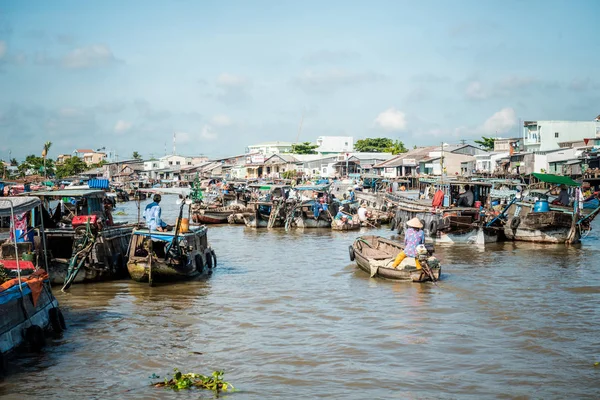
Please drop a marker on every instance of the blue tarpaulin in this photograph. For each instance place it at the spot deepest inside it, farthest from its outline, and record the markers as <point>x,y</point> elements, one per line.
<point>14,293</point>
<point>98,184</point>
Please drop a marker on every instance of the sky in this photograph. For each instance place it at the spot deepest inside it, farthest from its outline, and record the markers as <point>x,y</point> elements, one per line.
<point>221,75</point>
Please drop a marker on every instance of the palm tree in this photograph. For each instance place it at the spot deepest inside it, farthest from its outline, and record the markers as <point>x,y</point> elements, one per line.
<point>47,146</point>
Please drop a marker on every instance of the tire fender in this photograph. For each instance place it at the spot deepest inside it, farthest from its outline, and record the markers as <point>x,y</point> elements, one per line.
<point>433,227</point>
<point>209,259</point>
<point>57,320</point>
<point>34,336</point>
<point>515,222</point>
<point>351,252</point>
<point>214,257</point>
<point>199,263</point>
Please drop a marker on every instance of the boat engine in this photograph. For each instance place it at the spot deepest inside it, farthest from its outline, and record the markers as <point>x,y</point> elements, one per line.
<point>425,251</point>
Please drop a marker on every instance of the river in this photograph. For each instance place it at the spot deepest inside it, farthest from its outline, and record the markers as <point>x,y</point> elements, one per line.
<point>287,315</point>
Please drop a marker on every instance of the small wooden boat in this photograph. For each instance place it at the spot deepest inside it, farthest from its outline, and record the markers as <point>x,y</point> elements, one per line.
<point>168,256</point>
<point>352,223</point>
<point>375,255</point>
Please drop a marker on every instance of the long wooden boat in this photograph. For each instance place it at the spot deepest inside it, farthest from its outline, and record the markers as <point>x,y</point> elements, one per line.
<point>84,243</point>
<point>156,257</point>
<point>375,255</point>
<point>217,215</point>
<point>28,309</point>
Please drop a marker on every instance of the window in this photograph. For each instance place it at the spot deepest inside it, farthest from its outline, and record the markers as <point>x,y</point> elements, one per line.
<point>189,163</point>
<point>177,162</point>
<point>170,162</point>
<point>555,134</point>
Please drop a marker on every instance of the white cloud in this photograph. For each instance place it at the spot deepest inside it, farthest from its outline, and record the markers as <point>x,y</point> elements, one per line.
<point>96,55</point>
<point>3,48</point>
<point>221,120</point>
<point>391,120</point>
<point>476,91</point>
<point>501,122</point>
<point>182,137</point>
<point>231,81</point>
<point>207,133</point>
<point>122,126</point>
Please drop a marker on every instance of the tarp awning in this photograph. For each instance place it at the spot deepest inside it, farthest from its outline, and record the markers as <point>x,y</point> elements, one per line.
<point>19,204</point>
<point>555,179</point>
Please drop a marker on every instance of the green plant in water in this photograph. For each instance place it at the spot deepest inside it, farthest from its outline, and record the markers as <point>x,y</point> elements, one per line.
<point>213,382</point>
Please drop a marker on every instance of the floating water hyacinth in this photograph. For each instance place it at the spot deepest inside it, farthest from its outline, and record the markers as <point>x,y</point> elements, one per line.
<point>179,381</point>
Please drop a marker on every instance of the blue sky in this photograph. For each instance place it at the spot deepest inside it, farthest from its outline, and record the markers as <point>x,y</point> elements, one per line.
<point>226,74</point>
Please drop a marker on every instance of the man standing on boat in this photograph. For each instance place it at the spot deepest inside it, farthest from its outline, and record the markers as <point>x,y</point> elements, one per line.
<point>152,215</point>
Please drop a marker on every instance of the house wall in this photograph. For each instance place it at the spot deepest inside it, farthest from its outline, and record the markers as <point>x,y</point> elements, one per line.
<point>271,148</point>
<point>545,135</point>
<point>335,144</point>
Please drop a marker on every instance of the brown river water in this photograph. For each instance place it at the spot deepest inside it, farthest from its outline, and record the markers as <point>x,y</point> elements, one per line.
<point>288,316</point>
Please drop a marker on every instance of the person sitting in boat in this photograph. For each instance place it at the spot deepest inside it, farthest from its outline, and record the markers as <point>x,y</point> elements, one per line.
<point>563,196</point>
<point>466,198</point>
<point>152,216</point>
<point>362,213</point>
<point>413,237</point>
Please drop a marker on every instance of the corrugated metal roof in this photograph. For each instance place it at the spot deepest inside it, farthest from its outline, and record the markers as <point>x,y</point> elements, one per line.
<point>70,193</point>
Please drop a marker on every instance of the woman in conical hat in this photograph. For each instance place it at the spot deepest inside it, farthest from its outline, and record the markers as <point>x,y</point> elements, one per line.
<point>413,236</point>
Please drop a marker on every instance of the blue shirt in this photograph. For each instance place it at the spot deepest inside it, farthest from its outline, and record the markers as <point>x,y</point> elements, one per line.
<point>412,238</point>
<point>152,216</point>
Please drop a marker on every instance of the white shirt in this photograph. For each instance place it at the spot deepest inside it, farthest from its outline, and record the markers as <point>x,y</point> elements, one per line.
<point>362,214</point>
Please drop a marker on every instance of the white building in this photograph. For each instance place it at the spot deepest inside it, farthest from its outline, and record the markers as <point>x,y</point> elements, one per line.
<point>269,148</point>
<point>335,144</point>
<point>546,135</point>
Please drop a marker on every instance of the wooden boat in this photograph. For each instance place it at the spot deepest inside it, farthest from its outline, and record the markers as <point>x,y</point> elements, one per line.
<point>375,255</point>
<point>539,221</point>
<point>166,256</point>
<point>447,223</point>
<point>311,207</point>
<point>28,309</point>
<point>216,215</point>
<point>269,208</point>
<point>83,242</point>
<point>350,224</point>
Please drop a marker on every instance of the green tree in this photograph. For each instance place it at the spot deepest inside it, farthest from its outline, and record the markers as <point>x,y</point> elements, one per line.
<point>71,166</point>
<point>136,155</point>
<point>396,148</point>
<point>45,151</point>
<point>376,145</point>
<point>14,162</point>
<point>35,165</point>
<point>487,143</point>
<point>304,148</point>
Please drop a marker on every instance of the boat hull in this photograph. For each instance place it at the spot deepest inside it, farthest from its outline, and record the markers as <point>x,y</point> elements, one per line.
<point>149,262</point>
<point>13,320</point>
<point>106,259</point>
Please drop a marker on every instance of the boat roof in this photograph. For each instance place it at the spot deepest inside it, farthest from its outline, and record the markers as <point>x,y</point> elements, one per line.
<point>266,186</point>
<point>167,236</point>
<point>454,182</point>
<point>70,193</point>
<point>316,188</point>
<point>19,205</point>
<point>555,179</point>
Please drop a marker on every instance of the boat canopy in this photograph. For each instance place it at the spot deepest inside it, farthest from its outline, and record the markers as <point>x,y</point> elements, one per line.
<point>18,204</point>
<point>316,188</point>
<point>70,193</point>
<point>166,236</point>
<point>555,179</point>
